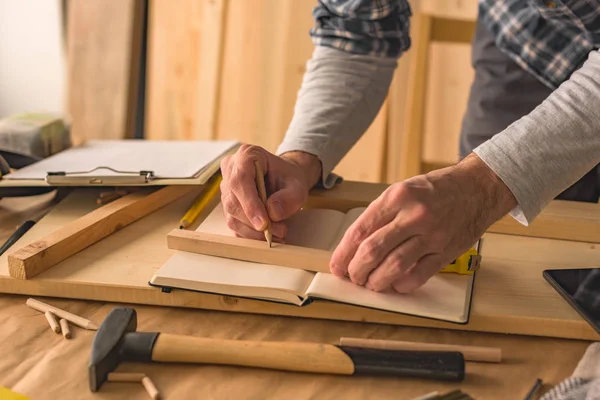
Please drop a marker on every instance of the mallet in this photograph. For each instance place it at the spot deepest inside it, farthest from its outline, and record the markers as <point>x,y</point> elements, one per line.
<point>117,341</point>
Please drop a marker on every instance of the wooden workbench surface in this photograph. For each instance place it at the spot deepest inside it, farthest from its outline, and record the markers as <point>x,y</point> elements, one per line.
<point>42,365</point>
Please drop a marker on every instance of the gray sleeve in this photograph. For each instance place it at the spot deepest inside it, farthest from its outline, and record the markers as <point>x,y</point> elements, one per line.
<point>340,96</point>
<point>545,152</point>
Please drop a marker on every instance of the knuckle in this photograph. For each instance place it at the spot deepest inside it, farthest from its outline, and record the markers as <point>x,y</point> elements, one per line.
<point>398,263</point>
<point>250,150</point>
<point>230,205</point>
<point>357,233</point>
<point>238,175</point>
<point>398,192</point>
<point>231,222</point>
<point>421,212</point>
<point>225,162</point>
<point>369,250</point>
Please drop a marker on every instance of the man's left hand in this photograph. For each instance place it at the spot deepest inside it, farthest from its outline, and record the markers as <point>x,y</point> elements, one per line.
<point>418,226</point>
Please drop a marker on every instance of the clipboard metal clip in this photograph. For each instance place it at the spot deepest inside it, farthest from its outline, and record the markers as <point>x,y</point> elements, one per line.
<point>84,177</point>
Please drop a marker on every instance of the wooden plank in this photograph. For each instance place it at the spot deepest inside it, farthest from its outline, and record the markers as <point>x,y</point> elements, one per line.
<point>37,257</point>
<point>267,44</point>
<point>104,42</point>
<point>566,220</point>
<point>284,255</point>
<point>185,45</point>
<point>452,31</point>
<point>372,147</point>
<point>452,9</point>
<point>410,148</point>
<point>449,78</point>
<point>397,112</point>
<point>510,294</point>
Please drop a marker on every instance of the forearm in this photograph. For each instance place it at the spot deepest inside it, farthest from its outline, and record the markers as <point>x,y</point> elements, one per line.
<point>545,152</point>
<point>347,79</point>
<point>340,97</point>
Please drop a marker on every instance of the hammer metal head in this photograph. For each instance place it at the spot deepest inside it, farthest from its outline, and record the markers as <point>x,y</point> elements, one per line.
<point>106,347</point>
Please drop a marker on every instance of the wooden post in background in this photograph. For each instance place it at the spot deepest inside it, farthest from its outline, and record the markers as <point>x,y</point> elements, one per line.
<point>104,43</point>
<point>185,45</point>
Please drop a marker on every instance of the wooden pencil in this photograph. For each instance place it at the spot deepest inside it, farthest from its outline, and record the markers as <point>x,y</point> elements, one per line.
<point>72,318</point>
<point>201,202</point>
<point>262,192</point>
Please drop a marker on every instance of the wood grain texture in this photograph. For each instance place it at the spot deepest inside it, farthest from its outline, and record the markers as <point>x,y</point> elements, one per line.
<point>37,257</point>
<point>185,48</point>
<point>454,9</point>
<point>305,357</point>
<point>266,48</point>
<point>284,255</point>
<point>449,80</point>
<point>397,111</point>
<point>411,144</point>
<point>104,42</point>
<point>510,293</point>
<point>365,162</point>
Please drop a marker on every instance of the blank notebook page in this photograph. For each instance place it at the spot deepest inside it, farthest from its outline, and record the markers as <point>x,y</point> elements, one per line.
<point>166,159</point>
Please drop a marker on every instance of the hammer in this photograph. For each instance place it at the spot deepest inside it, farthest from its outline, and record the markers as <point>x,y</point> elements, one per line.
<point>117,341</point>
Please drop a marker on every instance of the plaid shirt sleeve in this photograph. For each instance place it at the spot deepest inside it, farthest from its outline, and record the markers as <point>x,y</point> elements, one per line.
<point>368,27</point>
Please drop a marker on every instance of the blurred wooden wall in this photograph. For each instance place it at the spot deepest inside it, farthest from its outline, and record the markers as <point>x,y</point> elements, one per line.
<point>231,69</point>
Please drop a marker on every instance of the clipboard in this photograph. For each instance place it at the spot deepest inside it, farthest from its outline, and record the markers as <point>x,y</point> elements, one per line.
<point>127,162</point>
<point>83,178</point>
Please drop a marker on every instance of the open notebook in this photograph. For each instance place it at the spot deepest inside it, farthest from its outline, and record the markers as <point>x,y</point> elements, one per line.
<point>446,296</point>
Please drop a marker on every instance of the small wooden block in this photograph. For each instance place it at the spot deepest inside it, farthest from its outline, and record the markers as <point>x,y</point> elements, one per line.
<point>37,257</point>
<point>74,319</point>
<point>125,377</point>
<point>150,388</point>
<point>52,321</point>
<point>284,255</point>
<point>64,326</point>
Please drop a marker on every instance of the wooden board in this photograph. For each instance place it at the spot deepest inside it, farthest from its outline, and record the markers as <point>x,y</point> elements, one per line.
<point>266,47</point>
<point>104,42</point>
<point>284,255</point>
<point>449,80</point>
<point>371,146</point>
<point>31,260</point>
<point>510,294</point>
<point>185,42</point>
<point>455,9</point>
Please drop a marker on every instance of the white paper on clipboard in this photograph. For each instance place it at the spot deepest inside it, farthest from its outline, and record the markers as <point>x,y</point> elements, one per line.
<point>132,160</point>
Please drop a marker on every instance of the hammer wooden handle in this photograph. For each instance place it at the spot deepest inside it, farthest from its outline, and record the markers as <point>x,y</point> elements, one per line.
<point>309,357</point>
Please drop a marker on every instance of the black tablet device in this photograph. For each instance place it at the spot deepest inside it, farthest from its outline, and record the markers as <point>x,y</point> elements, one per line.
<point>581,289</point>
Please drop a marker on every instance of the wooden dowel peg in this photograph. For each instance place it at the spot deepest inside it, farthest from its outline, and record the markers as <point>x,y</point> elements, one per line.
<point>72,318</point>
<point>64,327</point>
<point>125,377</point>
<point>150,388</point>
<point>52,321</point>
<point>470,353</point>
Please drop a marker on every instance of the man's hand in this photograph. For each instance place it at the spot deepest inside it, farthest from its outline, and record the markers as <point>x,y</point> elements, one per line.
<point>418,226</point>
<point>288,181</point>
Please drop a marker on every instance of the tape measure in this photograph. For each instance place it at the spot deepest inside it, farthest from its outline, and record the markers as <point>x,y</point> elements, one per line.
<point>466,264</point>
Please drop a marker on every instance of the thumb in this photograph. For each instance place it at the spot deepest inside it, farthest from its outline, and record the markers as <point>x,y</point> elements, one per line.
<point>285,202</point>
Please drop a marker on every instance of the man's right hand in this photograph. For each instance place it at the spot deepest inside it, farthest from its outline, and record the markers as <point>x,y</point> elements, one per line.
<point>288,181</point>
